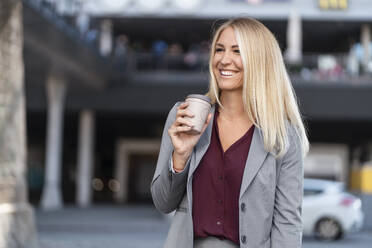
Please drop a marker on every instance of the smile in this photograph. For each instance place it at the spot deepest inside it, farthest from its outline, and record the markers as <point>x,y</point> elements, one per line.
<point>227,73</point>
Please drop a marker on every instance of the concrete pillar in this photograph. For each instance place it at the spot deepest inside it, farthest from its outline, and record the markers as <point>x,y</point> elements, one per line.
<point>85,158</point>
<point>83,19</point>
<point>122,173</point>
<point>366,41</point>
<point>51,196</point>
<point>352,63</point>
<point>83,22</point>
<point>17,222</point>
<point>294,38</point>
<point>105,40</point>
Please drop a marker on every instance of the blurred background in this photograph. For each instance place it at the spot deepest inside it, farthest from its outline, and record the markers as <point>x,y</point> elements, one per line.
<point>101,75</point>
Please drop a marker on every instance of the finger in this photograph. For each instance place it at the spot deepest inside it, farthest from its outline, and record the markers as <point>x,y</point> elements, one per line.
<point>183,129</point>
<point>183,105</point>
<point>185,112</point>
<point>183,121</point>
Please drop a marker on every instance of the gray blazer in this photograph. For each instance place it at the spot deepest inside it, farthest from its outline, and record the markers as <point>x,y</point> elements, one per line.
<point>270,194</point>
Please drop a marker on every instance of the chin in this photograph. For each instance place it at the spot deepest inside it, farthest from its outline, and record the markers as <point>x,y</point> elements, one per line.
<point>230,89</point>
<point>228,86</point>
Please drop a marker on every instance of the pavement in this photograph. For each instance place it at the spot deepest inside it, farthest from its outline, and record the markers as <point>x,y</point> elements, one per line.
<point>132,226</point>
<point>103,227</point>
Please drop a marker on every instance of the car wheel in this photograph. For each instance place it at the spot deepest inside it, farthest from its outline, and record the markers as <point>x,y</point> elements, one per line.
<point>328,229</point>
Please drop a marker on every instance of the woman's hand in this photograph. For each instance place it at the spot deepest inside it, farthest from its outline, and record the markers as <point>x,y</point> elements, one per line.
<point>183,142</point>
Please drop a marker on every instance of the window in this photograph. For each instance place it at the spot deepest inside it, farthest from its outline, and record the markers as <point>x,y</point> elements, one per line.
<point>310,192</point>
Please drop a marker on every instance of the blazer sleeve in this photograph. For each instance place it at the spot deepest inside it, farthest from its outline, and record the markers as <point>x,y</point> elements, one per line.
<point>168,187</point>
<point>286,229</point>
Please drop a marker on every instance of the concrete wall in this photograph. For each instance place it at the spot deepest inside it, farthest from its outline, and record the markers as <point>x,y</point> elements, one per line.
<point>328,161</point>
<point>308,9</point>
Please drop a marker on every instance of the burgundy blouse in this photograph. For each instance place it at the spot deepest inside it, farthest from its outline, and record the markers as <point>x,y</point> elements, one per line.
<point>216,187</point>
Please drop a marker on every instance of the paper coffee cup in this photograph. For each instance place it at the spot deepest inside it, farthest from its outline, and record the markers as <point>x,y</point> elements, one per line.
<point>200,106</point>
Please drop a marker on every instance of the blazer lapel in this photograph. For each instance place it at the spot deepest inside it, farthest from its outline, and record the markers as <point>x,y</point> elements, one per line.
<point>255,159</point>
<point>202,145</point>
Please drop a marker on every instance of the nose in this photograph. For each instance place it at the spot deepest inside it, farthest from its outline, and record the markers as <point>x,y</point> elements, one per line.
<point>226,58</point>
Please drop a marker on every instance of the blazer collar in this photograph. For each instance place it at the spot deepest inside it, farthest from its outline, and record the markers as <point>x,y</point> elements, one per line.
<point>255,159</point>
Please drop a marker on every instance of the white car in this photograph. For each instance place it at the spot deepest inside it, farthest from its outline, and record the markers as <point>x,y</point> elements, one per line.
<point>328,211</point>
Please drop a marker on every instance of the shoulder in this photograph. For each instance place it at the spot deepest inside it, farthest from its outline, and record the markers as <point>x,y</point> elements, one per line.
<point>292,131</point>
<point>292,155</point>
<point>293,144</point>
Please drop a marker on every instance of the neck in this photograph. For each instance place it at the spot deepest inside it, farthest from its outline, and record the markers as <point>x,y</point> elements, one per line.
<point>233,105</point>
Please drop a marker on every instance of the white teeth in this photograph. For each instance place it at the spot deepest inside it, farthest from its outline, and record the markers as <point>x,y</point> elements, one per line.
<point>226,73</point>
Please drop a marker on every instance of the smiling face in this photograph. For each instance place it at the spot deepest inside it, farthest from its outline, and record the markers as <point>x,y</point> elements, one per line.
<point>227,63</point>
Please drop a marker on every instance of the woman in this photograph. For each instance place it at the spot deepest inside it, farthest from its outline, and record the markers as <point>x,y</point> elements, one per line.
<point>239,182</point>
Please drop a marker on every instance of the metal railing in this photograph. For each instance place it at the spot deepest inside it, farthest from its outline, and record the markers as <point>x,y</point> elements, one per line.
<point>170,62</point>
<point>313,67</point>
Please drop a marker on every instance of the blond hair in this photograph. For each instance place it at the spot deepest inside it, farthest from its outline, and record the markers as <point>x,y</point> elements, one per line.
<point>268,96</point>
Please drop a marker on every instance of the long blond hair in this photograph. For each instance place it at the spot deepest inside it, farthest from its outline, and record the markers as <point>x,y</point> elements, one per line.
<point>268,96</point>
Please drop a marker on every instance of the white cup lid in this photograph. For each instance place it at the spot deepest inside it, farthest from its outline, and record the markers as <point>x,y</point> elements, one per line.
<point>199,96</point>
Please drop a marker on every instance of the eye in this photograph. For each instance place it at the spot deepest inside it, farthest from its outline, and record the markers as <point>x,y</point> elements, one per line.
<point>237,51</point>
<point>219,50</point>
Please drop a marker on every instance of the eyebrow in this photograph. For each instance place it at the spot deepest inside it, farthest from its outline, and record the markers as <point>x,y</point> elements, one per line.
<point>233,46</point>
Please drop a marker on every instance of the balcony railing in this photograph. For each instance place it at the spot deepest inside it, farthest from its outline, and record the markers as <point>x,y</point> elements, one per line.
<point>314,67</point>
<point>174,62</point>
